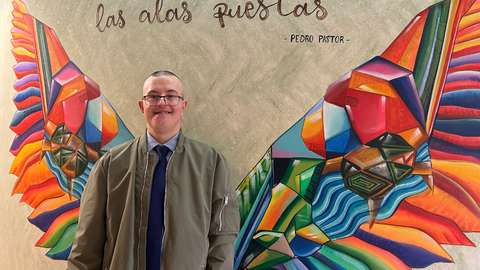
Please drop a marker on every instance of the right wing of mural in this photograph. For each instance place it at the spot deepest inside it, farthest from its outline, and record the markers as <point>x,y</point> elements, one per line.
<point>385,168</point>
<point>63,125</point>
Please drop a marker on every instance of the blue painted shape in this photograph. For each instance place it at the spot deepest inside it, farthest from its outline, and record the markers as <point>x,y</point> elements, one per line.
<point>469,98</point>
<point>290,144</point>
<point>54,92</point>
<point>411,255</point>
<point>339,142</point>
<point>19,116</point>
<point>407,89</point>
<point>44,220</point>
<point>463,127</point>
<point>335,120</point>
<point>303,247</point>
<point>27,93</point>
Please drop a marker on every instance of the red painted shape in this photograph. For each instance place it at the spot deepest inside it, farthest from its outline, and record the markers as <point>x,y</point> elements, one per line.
<point>367,114</point>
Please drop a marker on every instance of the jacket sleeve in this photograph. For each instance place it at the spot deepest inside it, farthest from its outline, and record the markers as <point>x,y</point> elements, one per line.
<point>87,249</point>
<point>225,222</point>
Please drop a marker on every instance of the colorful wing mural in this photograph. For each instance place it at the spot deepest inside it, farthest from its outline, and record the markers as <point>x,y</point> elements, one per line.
<point>385,168</point>
<point>63,125</point>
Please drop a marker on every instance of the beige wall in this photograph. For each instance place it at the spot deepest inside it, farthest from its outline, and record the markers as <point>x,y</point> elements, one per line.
<point>246,83</point>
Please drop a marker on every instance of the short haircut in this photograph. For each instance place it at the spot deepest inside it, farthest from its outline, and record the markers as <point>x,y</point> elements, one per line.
<point>161,73</point>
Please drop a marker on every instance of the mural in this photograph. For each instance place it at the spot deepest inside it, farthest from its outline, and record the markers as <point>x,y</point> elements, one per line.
<point>378,174</point>
<point>63,125</point>
<point>383,169</point>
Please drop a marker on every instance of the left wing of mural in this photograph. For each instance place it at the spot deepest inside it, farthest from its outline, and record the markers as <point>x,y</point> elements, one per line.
<point>63,125</point>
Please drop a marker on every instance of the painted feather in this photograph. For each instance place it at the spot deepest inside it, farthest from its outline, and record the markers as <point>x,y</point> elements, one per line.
<point>63,125</point>
<point>384,169</point>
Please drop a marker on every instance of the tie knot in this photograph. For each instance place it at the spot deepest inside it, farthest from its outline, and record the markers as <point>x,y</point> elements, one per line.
<point>162,150</point>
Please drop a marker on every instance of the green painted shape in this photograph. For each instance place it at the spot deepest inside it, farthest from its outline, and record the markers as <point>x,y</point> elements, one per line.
<point>305,178</point>
<point>290,232</point>
<point>343,259</point>
<point>399,171</point>
<point>270,258</point>
<point>319,265</point>
<point>304,217</point>
<point>267,238</point>
<point>65,241</point>
<point>296,167</point>
<point>289,214</point>
<point>45,59</point>
<point>429,51</point>
<point>362,256</point>
<point>58,234</point>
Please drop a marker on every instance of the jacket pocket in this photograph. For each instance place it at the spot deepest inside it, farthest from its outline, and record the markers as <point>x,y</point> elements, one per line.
<point>228,219</point>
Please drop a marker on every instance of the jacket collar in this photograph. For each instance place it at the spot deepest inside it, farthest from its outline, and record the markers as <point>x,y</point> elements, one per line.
<point>180,146</point>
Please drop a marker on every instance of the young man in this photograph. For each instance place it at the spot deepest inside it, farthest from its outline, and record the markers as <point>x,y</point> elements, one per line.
<point>133,215</point>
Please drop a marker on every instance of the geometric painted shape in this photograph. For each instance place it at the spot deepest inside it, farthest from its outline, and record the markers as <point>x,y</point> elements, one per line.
<point>304,247</point>
<point>339,143</point>
<point>313,130</point>
<point>267,238</point>
<point>368,186</point>
<point>367,114</point>
<point>74,109</point>
<point>399,116</point>
<point>290,144</point>
<point>267,258</point>
<point>313,233</point>
<point>109,124</point>
<point>391,145</point>
<point>335,120</point>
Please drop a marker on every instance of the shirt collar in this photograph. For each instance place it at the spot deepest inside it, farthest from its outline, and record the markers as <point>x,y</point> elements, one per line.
<point>171,144</point>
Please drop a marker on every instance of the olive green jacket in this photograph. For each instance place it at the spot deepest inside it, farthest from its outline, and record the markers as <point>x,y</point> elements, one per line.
<point>201,210</point>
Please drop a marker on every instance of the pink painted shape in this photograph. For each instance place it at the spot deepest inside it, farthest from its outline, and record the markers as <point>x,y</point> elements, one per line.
<point>75,108</point>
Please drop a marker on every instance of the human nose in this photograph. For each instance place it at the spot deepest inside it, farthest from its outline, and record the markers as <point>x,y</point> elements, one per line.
<point>160,101</point>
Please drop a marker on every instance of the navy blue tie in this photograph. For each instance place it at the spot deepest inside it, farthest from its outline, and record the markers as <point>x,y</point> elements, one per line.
<point>155,217</point>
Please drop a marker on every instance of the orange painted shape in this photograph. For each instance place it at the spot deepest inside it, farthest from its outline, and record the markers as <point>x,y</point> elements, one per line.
<point>35,195</point>
<point>282,197</point>
<point>443,230</point>
<point>20,6</point>
<point>35,173</point>
<point>386,257</point>
<point>56,115</point>
<point>27,151</point>
<point>71,88</point>
<point>313,133</point>
<point>51,204</point>
<point>451,201</point>
<point>406,235</point>
<point>399,118</point>
<point>463,172</point>
<point>403,50</point>
<point>415,136</point>
<point>58,56</point>
<point>109,124</point>
<point>371,84</point>
<point>19,23</point>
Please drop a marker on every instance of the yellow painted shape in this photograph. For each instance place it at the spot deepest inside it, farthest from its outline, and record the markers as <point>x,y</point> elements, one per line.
<point>313,233</point>
<point>27,151</point>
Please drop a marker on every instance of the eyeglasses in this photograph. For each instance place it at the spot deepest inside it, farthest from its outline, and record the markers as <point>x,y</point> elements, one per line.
<point>154,100</point>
